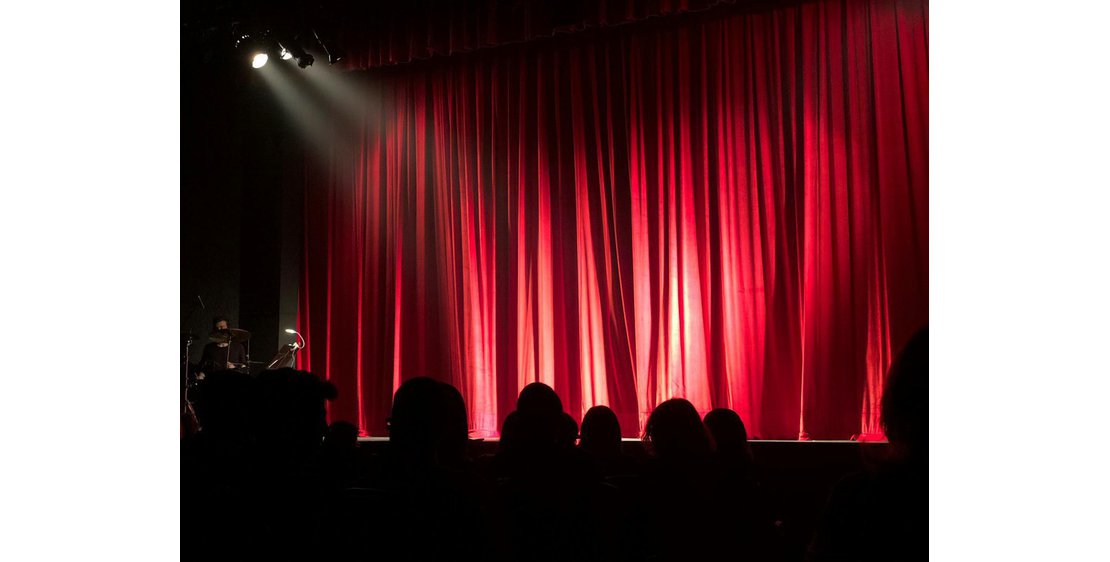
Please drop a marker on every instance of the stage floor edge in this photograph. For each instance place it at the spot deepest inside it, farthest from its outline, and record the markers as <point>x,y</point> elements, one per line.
<point>634,440</point>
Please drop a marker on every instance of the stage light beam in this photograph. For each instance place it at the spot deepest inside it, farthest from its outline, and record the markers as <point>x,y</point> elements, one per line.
<point>259,60</point>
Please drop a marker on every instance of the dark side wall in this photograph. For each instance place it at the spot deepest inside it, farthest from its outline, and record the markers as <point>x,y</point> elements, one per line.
<point>242,177</point>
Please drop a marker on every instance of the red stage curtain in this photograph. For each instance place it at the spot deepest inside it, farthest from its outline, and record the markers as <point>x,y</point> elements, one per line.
<point>729,209</point>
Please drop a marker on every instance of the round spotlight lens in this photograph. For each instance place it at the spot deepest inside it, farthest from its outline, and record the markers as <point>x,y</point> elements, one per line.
<point>259,60</point>
<point>285,54</point>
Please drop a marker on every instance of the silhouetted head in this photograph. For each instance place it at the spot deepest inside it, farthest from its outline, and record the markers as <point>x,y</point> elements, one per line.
<point>905,405</point>
<point>341,435</point>
<point>675,431</point>
<point>727,429</point>
<point>292,407</point>
<point>538,399</point>
<point>428,421</point>
<point>729,435</point>
<point>226,403</point>
<point>601,432</point>
<point>510,432</point>
<point>568,434</point>
<point>537,426</point>
<point>417,415</point>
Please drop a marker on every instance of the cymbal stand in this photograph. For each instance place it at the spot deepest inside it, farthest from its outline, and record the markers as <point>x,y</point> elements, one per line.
<point>185,354</point>
<point>185,372</point>
<point>188,414</point>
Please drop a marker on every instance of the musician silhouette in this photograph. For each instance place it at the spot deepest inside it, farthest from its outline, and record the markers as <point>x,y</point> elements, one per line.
<point>225,351</point>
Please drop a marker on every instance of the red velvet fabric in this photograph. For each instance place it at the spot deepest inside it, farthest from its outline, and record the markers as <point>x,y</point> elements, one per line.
<point>729,209</point>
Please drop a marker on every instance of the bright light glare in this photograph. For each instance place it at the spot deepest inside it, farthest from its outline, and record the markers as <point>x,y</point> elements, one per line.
<point>285,54</point>
<point>290,331</point>
<point>259,60</point>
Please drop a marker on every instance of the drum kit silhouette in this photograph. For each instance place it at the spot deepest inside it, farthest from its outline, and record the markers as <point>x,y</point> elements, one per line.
<point>230,336</point>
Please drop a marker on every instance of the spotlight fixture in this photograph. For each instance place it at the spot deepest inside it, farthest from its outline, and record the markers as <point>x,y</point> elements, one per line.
<point>257,47</point>
<point>291,49</point>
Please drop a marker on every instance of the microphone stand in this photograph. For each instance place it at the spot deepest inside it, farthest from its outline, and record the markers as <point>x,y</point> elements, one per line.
<point>192,311</point>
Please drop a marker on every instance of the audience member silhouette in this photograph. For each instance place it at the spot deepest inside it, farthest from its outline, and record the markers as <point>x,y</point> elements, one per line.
<point>731,440</point>
<point>693,515</point>
<point>429,484</point>
<point>601,432</point>
<point>250,475</point>
<point>225,407</point>
<point>420,426</point>
<point>676,435</point>
<point>538,399</point>
<point>536,434</point>
<point>217,465</point>
<point>751,509</point>
<point>511,434</point>
<point>621,527</point>
<point>883,514</point>
<point>601,440</point>
<point>292,417</point>
<point>289,428</point>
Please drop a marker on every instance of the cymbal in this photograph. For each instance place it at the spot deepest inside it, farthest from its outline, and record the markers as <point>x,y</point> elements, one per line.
<point>227,336</point>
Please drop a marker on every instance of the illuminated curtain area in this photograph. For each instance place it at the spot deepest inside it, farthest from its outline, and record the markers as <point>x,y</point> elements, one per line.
<point>733,210</point>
